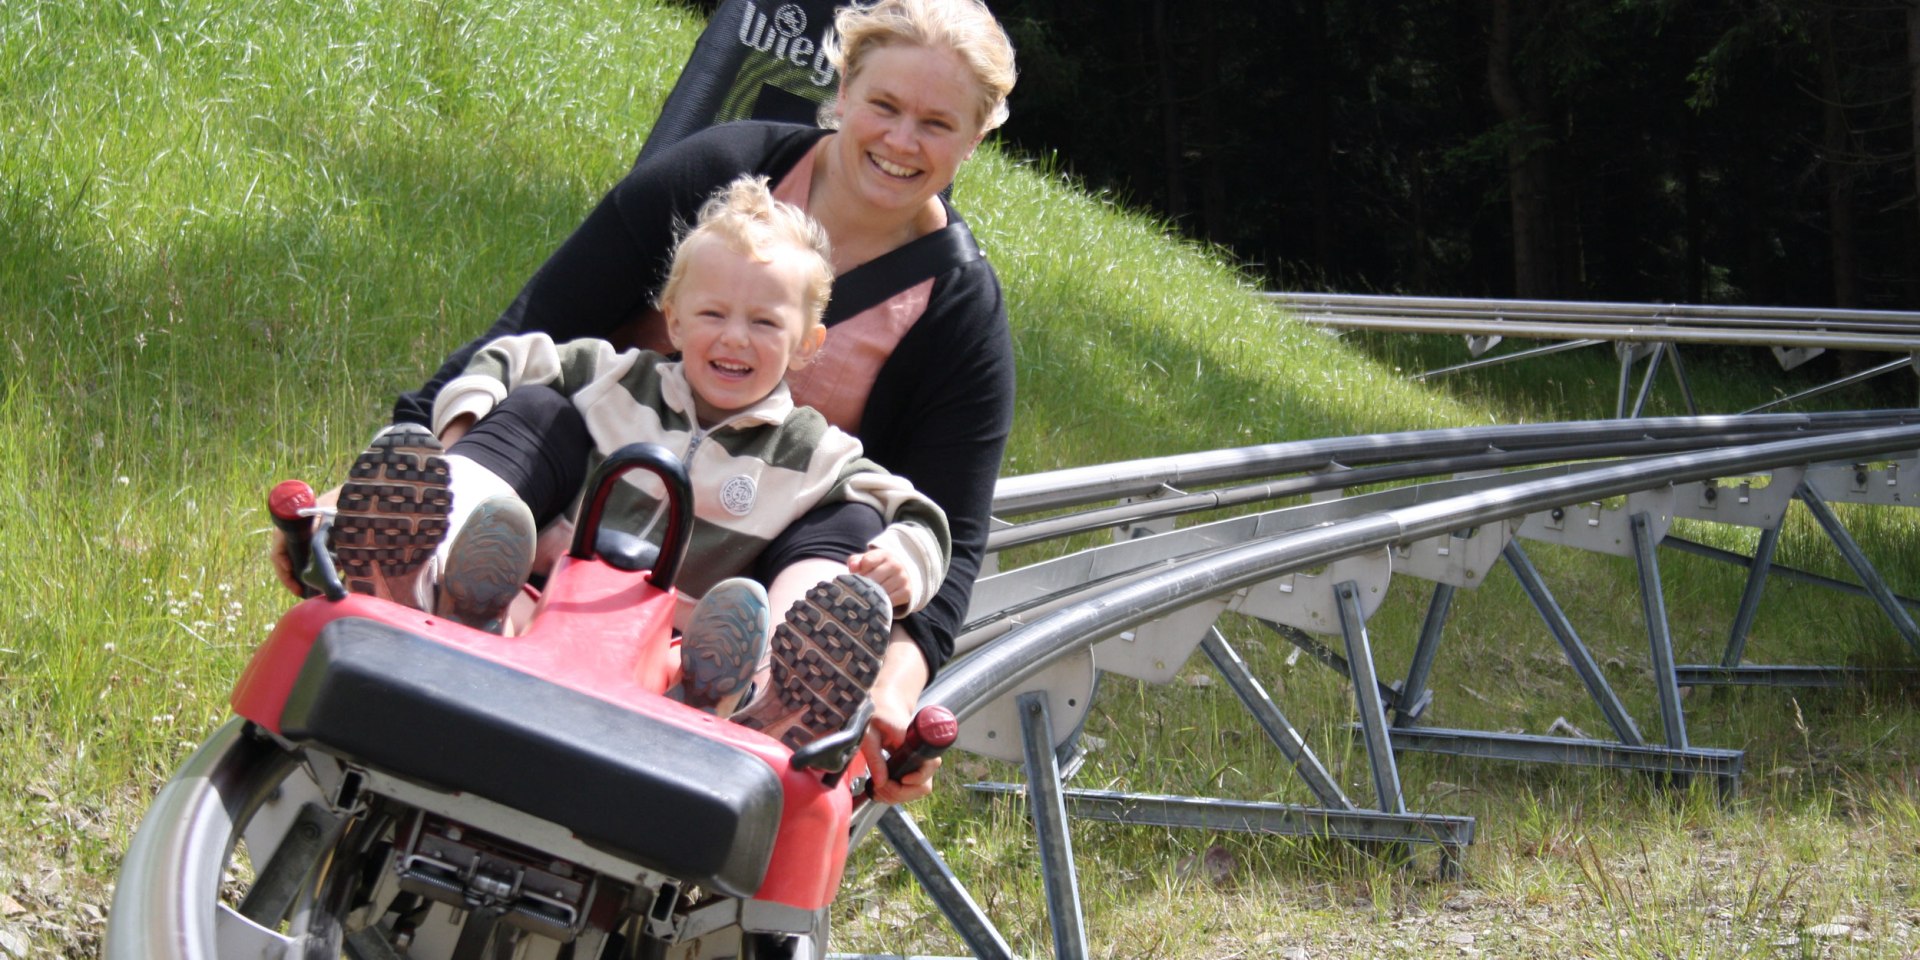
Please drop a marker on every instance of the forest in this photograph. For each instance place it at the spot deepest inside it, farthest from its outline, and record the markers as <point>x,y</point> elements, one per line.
<point>1719,151</point>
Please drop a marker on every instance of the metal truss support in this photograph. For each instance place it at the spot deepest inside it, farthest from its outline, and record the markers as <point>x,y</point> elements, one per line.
<point>1847,381</point>
<point>1625,352</point>
<point>1413,692</point>
<point>1723,765</point>
<point>1862,567</point>
<point>1452,833</point>
<point>1757,570</point>
<point>1509,358</point>
<point>1577,653</point>
<point>1047,805</point>
<point>1646,382</point>
<point>926,865</point>
<point>1279,729</point>
<point>1333,660</point>
<point>1653,608</point>
<point>1366,692</point>
<point>1685,382</point>
<point>1782,571</point>
<point>1706,675</point>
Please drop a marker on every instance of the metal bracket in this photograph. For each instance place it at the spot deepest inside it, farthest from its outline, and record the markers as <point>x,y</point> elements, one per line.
<point>1599,528</point>
<point>1791,357</point>
<point>1135,529</point>
<point>1634,351</point>
<point>1740,501</point>
<point>994,730</point>
<point>1459,559</point>
<point>1860,483</point>
<point>1306,601</point>
<point>1156,650</point>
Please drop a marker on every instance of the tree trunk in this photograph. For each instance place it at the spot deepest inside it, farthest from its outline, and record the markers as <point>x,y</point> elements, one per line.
<point>1696,270</point>
<point>1320,130</point>
<point>1836,141</point>
<point>1913,91</point>
<point>1422,265</point>
<point>1528,179</point>
<point>1173,148</point>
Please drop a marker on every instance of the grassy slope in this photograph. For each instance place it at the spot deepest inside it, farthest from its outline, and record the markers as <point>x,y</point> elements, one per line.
<point>230,232</point>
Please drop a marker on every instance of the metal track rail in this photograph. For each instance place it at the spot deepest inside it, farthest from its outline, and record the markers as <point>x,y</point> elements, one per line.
<point>1044,638</point>
<point>1651,332</point>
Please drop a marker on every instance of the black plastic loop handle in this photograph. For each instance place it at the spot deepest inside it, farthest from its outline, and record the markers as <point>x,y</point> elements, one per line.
<point>660,462</point>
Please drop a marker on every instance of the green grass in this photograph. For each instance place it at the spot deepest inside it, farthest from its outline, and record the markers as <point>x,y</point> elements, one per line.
<point>229,233</point>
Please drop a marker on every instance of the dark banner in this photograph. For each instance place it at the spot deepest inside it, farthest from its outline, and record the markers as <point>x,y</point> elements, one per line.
<point>760,59</point>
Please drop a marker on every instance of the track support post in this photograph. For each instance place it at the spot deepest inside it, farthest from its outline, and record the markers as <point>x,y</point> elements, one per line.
<point>926,865</point>
<point>1046,801</point>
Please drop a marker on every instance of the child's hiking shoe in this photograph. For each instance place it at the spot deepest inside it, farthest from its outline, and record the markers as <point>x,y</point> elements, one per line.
<point>825,656</point>
<point>722,646</point>
<point>392,515</point>
<point>488,563</point>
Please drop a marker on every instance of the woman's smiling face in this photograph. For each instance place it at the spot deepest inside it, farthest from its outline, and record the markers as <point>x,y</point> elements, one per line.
<point>908,119</point>
<point>739,322</point>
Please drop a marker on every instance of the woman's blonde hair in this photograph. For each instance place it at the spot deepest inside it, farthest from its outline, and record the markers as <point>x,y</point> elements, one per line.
<point>745,216</point>
<point>964,26</point>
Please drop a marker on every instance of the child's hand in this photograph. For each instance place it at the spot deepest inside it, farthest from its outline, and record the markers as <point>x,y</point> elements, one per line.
<point>886,570</point>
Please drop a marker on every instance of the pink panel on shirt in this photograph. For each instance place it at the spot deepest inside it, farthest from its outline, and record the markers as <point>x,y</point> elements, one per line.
<point>841,375</point>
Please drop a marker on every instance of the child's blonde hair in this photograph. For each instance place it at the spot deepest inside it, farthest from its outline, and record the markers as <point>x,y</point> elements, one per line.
<point>964,26</point>
<point>745,216</point>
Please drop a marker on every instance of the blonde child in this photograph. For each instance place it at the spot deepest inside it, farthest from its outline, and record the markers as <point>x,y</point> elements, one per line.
<point>742,304</point>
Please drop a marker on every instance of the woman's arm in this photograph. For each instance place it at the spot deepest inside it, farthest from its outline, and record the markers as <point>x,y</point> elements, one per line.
<point>939,415</point>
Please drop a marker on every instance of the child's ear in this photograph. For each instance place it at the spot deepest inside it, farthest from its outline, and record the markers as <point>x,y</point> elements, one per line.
<point>672,318</point>
<point>810,344</point>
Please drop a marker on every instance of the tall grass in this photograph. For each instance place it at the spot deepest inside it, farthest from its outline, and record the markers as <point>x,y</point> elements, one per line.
<point>231,232</point>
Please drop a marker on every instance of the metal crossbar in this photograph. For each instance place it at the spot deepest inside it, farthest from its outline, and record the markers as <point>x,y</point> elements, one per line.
<point>1653,332</point>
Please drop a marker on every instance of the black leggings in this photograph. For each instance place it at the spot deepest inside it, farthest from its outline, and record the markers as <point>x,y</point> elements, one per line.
<point>538,443</point>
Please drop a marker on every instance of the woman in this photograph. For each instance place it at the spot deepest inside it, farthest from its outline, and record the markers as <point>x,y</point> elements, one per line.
<point>925,379</point>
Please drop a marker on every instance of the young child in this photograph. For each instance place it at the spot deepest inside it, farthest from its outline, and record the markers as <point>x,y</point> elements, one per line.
<point>742,302</point>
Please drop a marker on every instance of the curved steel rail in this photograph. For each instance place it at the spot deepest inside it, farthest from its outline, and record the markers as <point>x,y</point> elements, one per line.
<point>997,669</point>
<point>167,902</point>
<point>1000,668</point>
<point>1075,486</point>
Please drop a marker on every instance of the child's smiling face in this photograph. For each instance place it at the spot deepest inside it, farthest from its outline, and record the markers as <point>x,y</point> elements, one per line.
<point>739,323</point>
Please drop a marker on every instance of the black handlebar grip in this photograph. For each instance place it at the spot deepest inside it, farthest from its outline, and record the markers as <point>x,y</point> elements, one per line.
<point>932,731</point>
<point>284,503</point>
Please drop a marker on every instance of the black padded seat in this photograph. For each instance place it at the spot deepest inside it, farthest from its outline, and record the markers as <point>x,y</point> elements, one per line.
<point>663,797</point>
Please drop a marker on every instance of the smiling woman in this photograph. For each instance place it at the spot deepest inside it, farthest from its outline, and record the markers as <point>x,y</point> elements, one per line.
<point>920,371</point>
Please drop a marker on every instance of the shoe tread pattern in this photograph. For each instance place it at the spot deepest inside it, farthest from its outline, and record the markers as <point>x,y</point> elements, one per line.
<point>393,509</point>
<point>489,563</point>
<point>720,666</point>
<point>826,654</point>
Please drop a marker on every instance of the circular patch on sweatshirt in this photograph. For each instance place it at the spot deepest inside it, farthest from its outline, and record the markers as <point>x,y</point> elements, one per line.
<point>736,495</point>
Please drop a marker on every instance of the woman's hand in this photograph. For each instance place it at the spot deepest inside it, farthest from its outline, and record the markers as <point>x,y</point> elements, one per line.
<point>281,555</point>
<point>896,694</point>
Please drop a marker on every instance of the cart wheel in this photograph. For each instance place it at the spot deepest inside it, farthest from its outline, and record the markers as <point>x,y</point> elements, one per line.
<point>167,904</point>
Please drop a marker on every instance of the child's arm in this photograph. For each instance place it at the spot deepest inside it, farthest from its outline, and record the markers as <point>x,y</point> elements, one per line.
<point>882,567</point>
<point>914,549</point>
<point>524,360</point>
<point>916,539</point>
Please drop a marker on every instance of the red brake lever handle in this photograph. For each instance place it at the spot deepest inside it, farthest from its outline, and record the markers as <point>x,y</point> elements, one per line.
<point>284,503</point>
<point>932,731</point>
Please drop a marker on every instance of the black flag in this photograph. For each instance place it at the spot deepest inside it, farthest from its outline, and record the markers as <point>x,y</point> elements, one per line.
<point>760,59</point>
